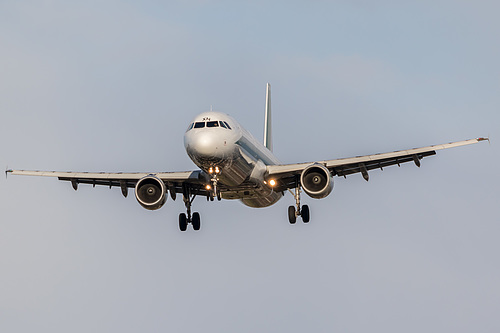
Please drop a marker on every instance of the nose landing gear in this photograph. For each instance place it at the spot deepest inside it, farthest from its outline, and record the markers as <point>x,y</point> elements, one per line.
<point>215,189</point>
<point>185,219</point>
<point>303,211</point>
<point>215,193</point>
<point>212,192</point>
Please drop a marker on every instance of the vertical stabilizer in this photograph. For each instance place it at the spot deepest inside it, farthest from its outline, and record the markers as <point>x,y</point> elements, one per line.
<point>268,141</point>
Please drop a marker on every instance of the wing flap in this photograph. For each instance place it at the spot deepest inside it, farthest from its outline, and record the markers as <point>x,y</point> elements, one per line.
<point>80,175</point>
<point>183,175</point>
<point>175,180</point>
<point>347,169</point>
<point>400,153</point>
<point>287,173</point>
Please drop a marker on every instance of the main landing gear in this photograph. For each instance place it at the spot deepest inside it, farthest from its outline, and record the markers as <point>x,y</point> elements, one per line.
<point>303,211</point>
<point>185,219</point>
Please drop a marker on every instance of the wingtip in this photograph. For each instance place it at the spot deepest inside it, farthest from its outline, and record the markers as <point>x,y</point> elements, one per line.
<point>483,139</point>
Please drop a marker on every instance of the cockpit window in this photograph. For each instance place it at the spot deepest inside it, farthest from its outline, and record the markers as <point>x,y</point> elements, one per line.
<point>214,123</point>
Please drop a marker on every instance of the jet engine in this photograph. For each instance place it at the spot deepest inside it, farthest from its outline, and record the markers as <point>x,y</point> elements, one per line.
<point>150,192</point>
<point>316,181</point>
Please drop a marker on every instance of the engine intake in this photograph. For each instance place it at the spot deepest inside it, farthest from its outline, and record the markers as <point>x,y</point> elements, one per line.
<point>316,181</point>
<point>150,192</point>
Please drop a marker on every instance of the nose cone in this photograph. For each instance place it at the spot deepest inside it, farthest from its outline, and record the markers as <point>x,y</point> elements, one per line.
<point>205,147</point>
<point>206,144</point>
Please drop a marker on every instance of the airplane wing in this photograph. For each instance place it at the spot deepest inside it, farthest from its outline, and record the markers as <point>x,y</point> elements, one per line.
<point>287,173</point>
<point>176,182</point>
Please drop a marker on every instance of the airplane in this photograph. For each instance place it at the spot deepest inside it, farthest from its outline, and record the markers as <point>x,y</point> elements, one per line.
<point>234,165</point>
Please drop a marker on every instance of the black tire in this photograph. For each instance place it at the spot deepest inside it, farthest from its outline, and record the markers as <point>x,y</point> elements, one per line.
<point>305,213</point>
<point>196,221</point>
<point>182,222</point>
<point>291,215</point>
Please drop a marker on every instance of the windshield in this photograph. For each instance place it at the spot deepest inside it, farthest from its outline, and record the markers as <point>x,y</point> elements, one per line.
<point>214,123</point>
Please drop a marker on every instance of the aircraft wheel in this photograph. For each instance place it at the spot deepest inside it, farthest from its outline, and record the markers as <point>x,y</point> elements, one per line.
<point>182,222</point>
<point>291,215</point>
<point>196,221</point>
<point>219,197</point>
<point>305,213</point>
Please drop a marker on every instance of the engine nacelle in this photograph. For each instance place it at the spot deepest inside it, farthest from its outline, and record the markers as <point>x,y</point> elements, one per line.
<point>151,192</point>
<point>316,181</point>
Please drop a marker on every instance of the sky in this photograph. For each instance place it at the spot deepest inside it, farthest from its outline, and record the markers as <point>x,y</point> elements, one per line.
<point>112,85</point>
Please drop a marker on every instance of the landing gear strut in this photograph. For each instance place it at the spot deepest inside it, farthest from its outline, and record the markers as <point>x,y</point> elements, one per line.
<point>185,219</point>
<point>303,211</point>
<point>212,192</point>
<point>215,190</point>
<point>214,180</point>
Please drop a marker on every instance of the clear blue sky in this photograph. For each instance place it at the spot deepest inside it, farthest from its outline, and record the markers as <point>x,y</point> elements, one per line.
<point>112,86</point>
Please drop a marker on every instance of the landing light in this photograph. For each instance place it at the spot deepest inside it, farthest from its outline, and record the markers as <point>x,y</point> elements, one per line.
<point>212,170</point>
<point>272,182</point>
<point>208,187</point>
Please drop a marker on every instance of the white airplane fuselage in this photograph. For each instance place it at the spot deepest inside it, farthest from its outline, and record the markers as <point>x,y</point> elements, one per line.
<point>216,141</point>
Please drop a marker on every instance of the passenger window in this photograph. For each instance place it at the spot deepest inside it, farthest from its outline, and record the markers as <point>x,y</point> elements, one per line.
<point>212,124</point>
<point>229,127</point>
<point>222,124</point>
<point>199,124</point>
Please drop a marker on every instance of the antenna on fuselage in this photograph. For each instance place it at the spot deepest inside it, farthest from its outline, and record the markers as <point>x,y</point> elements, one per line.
<point>268,142</point>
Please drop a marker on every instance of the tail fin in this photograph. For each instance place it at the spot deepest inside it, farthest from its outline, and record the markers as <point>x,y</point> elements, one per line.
<point>268,141</point>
